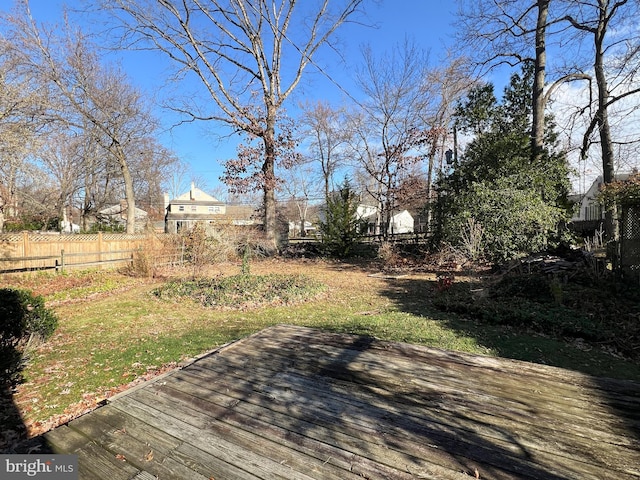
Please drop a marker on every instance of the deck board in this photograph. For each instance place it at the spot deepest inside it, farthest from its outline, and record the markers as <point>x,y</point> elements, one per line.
<point>296,403</point>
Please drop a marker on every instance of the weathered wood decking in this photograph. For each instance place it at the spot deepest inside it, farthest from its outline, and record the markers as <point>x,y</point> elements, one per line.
<point>290,402</point>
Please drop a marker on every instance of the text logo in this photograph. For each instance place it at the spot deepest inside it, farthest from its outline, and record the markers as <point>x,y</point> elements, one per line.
<point>50,467</point>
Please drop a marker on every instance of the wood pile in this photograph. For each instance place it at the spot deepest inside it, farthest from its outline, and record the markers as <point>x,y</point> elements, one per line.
<point>557,264</point>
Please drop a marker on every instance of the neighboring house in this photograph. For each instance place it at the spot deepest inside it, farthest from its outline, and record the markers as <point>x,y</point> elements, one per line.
<point>69,227</point>
<point>243,215</point>
<point>117,215</point>
<point>294,229</point>
<point>589,213</point>
<point>190,208</point>
<point>401,222</point>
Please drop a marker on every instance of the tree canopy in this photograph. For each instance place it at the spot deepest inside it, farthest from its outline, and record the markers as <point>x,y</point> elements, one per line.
<point>518,199</point>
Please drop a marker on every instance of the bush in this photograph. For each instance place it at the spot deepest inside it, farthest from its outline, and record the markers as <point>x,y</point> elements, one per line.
<point>23,317</point>
<point>515,220</point>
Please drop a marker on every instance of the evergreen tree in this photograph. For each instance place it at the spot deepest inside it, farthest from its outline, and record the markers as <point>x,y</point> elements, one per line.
<point>519,199</point>
<point>341,226</point>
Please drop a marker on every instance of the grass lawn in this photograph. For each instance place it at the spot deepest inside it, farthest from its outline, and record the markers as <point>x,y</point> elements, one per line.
<point>114,331</point>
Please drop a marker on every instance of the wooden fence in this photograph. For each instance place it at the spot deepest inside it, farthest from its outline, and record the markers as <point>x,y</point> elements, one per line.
<point>403,238</point>
<point>28,251</point>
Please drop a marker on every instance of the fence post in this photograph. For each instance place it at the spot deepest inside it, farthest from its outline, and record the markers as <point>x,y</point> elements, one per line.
<point>100,248</point>
<point>25,244</point>
<point>62,261</point>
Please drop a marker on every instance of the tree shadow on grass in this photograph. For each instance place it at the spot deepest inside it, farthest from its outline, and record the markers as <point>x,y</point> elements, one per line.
<point>460,308</point>
<point>13,432</point>
<point>13,337</point>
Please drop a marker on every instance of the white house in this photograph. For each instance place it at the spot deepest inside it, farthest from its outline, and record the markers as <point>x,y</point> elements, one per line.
<point>588,209</point>
<point>69,227</point>
<point>400,222</point>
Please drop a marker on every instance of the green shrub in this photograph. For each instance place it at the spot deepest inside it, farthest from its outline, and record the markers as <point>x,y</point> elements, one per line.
<point>23,314</point>
<point>23,317</point>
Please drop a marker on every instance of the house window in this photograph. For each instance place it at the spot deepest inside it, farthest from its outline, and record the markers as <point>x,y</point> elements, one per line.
<point>181,208</point>
<point>593,212</point>
<point>213,209</point>
<point>194,208</point>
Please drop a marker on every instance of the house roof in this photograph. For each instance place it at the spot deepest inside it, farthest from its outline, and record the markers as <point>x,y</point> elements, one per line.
<point>242,212</point>
<point>120,209</point>
<point>195,195</point>
<point>593,190</point>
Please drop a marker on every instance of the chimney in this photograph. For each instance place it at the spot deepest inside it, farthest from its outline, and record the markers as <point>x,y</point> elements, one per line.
<point>193,191</point>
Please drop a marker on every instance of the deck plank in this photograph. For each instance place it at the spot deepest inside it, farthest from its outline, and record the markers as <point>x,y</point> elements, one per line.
<point>411,418</point>
<point>418,419</point>
<point>320,446</point>
<point>297,403</point>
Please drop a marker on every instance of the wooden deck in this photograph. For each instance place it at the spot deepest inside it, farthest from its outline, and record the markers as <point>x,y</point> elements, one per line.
<point>296,403</point>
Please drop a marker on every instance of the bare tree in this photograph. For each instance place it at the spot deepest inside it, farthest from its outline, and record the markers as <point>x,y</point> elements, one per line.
<point>154,166</point>
<point>508,32</point>
<point>300,187</point>
<point>512,32</point>
<point>62,160</point>
<point>389,128</point>
<point>248,55</point>
<point>99,176</point>
<point>87,94</point>
<point>21,101</point>
<point>443,87</point>
<point>615,67</point>
<point>325,129</point>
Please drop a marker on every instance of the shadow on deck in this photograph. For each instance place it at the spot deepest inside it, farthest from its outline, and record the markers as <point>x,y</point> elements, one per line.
<point>291,402</point>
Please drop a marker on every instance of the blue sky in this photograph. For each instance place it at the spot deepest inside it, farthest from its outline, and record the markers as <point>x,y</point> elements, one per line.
<point>427,22</point>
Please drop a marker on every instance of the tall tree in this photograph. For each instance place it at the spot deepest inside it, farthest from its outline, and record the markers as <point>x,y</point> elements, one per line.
<point>389,128</point>
<point>22,100</point>
<point>300,187</point>
<point>510,32</point>
<point>87,93</point>
<point>324,127</point>
<point>444,86</point>
<point>519,204</point>
<point>62,160</point>
<point>248,55</point>
<point>612,56</point>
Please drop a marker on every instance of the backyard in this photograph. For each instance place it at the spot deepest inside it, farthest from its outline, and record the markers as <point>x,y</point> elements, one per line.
<point>115,330</point>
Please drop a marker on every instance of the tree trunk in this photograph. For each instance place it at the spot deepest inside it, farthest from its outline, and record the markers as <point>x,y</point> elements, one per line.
<point>537,125</point>
<point>612,229</point>
<point>269,178</point>
<point>128,191</point>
